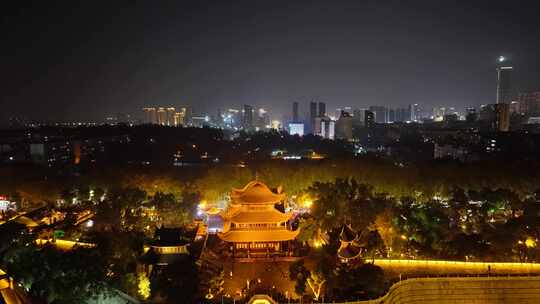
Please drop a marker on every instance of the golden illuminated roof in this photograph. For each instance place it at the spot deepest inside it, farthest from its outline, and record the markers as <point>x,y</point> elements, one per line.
<point>258,235</point>
<point>256,192</point>
<point>267,216</point>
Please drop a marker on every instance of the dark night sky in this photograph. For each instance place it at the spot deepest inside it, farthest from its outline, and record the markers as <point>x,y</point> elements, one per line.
<point>67,60</point>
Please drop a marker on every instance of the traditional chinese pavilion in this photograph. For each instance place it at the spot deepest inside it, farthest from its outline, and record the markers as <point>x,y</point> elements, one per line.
<point>349,248</point>
<point>252,224</point>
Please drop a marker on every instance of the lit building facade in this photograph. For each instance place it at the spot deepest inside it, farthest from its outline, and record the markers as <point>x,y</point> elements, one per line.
<point>253,226</point>
<point>296,129</point>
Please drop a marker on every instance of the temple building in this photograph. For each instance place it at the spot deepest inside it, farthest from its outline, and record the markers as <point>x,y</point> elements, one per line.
<point>253,226</point>
<point>168,246</point>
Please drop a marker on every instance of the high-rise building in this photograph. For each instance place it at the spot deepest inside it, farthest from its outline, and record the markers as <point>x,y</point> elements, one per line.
<point>327,128</point>
<point>392,115</point>
<point>247,122</point>
<point>295,117</point>
<point>515,107</point>
<point>497,115</point>
<point>161,116</point>
<point>369,119</point>
<point>414,111</point>
<point>471,115</point>
<point>344,126</point>
<point>529,104</point>
<point>179,117</point>
<point>502,117</point>
<point>262,120</point>
<point>359,115</point>
<point>322,109</point>
<point>504,73</point>
<point>150,115</point>
<point>170,116</point>
<point>380,112</point>
<point>312,116</point>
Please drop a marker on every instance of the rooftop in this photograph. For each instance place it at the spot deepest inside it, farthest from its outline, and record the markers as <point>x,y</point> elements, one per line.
<point>256,192</point>
<point>258,236</point>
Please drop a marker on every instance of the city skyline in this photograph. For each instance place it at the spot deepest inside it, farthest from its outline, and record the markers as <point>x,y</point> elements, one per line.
<point>211,56</point>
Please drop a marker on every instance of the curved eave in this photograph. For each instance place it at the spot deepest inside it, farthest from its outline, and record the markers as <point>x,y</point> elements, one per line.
<point>266,217</point>
<point>236,236</point>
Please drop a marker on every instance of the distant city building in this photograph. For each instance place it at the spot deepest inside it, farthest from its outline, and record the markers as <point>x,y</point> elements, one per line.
<point>471,114</point>
<point>529,104</point>
<point>502,117</point>
<point>295,116</point>
<point>327,128</point>
<point>170,116</point>
<point>381,113</point>
<point>322,109</point>
<point>415,112</point>
<point>247,121</point>
<point>515,107</point>
<point>312,116</point>
<point>504,73</point>
<point>150,116</point>
<point>359,115</point>
<point>262,121</point>
<point>497,115</point>
<point>179,118</point>
<point>343,128</point>
<point>200,121</point>
<point>369,117</point>
<point>161,116</point>
<point>296,128</point>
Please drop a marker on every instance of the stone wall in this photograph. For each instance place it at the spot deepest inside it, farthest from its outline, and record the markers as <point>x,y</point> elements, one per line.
<point>493,290</point>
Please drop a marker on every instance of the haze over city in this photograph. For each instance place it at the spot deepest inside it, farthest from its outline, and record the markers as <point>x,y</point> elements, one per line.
<point>265,152</point>
<point>82,61</point>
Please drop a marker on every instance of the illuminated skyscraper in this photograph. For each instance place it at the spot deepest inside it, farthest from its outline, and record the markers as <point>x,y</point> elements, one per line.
<point>170,116</point>
<point>179,117</point>
<point>150,115</point>
<point>161,116</point>
<point>504,73</point>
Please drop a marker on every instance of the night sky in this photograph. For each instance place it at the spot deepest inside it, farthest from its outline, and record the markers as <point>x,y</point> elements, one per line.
<point>67,60</point>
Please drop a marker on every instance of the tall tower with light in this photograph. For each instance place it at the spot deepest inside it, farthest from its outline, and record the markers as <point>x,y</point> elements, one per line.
<point>504,74</point>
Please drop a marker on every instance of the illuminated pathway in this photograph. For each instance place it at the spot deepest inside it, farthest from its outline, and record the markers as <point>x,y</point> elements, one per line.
<point>419,267</point>
<point>64,244</point>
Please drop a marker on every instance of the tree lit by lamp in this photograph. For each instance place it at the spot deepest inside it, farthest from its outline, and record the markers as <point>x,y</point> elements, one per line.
<point>530,242</point>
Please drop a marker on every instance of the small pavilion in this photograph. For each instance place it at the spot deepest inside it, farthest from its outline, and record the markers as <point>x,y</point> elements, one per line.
<point>252,224</point>
<point>350,248</point>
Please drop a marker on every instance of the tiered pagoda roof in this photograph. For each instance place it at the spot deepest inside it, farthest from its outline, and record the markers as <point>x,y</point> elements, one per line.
<point>256,192</point>
<point>251,205</point>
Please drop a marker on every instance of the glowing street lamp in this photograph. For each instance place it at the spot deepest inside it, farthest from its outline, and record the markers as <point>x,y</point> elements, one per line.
<point>530,242</point>
<point>502,58</point>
